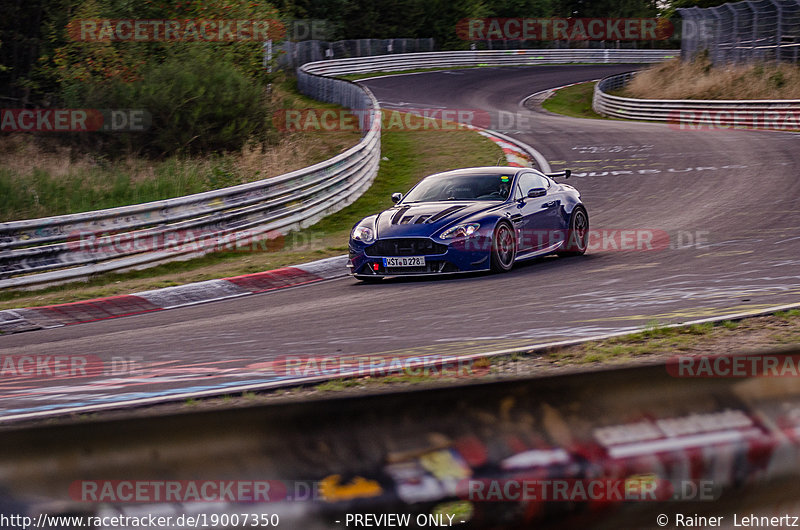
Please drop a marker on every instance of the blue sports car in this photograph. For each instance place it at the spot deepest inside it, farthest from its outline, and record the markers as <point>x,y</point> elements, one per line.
<point>473,219</point>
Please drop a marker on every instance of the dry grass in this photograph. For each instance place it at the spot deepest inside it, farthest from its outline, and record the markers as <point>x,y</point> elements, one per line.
<point>293,152</point>
<point>21,155</point>
<point>41,176</point>
<point>700,80</point>
<point>40,179</point>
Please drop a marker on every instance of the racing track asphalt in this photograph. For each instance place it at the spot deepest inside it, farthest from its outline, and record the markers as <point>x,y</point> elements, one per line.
<point>737,191</point>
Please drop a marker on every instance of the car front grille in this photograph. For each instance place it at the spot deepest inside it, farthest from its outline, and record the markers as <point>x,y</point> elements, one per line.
<point>409,246</point>
<point>430,267</point>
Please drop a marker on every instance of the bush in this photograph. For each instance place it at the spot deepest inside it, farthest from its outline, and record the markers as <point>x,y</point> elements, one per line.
<point>198,103</point>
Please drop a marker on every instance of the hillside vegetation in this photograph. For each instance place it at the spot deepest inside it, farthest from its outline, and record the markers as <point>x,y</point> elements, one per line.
<point>699,79</point>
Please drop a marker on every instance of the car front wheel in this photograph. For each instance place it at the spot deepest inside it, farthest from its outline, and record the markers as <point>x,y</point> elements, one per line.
<point>504,248</point>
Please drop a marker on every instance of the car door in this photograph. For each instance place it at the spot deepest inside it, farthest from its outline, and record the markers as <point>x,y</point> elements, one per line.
<point>540,223</point>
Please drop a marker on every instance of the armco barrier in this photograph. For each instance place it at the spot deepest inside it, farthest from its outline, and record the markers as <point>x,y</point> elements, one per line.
<point>611,448</point>
<point>61,248</point>
<point>410,61</point>
<point>718,113</point>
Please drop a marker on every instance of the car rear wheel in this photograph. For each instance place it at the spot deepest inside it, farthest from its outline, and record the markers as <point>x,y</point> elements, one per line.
<point>578,234</point>
<point>504,248</point>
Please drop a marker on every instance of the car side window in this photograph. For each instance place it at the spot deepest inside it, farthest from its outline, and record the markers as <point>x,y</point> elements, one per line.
<point>528,181</point>
<point>546,182</point>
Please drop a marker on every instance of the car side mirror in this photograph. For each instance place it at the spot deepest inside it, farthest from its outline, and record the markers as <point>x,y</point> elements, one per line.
<point>536,192</point>
<point>397,197</point>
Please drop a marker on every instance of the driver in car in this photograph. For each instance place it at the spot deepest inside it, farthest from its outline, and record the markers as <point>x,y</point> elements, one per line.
<point>503,190</point>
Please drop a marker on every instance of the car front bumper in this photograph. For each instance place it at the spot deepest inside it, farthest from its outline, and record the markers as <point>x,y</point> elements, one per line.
<point>441,257</point>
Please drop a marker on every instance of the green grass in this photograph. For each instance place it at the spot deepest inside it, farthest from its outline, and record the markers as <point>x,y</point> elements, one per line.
<point>459,510</point>
<point>575,101</point>
<point>654,329</point>
<point>657,339</point>
<point>792,337</point>
<point>654,337</point>
<point>336,385</point>
<point>40,194</point>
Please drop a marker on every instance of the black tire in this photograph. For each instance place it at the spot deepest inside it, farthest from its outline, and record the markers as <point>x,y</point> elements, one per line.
<point>504,248</point>
<point>578,234</point>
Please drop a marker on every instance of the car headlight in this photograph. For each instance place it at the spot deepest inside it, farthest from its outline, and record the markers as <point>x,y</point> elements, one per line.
<point>362,233</point>
<point>465,230</point>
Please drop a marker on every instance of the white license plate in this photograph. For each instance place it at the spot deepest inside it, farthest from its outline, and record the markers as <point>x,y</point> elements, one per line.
<point>409,261</point>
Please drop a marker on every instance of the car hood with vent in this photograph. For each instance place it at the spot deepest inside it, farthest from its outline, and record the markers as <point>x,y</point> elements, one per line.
<point>425,219</point>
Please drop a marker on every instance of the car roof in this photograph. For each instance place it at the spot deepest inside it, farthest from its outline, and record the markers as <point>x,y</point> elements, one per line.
<point>484,170</point>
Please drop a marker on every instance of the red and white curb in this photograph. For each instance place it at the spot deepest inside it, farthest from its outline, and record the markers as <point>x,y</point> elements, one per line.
<point>518,154</point>
<point>515,156</point>
<point>53,316</point>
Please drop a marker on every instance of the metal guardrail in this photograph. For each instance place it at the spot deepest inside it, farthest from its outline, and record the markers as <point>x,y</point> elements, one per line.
<point>295,54</point>
<point>706,445</point>
<point>63,248</point>
<point>719,113</point>
<point>410,61</point>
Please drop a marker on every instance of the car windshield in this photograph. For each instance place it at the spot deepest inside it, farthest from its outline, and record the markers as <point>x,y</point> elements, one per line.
<point>478,187</point>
